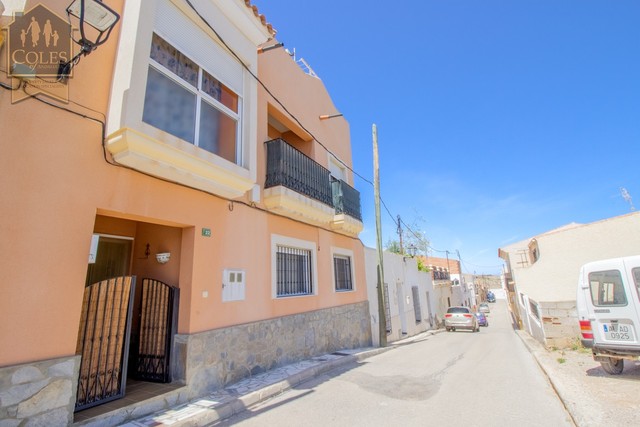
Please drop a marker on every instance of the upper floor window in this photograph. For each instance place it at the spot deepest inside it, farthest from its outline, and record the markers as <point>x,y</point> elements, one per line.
<point>185,100</point>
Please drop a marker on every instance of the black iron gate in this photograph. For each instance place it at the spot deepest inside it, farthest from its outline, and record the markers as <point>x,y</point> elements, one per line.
<point>158,320</point>
<point>103,340</point>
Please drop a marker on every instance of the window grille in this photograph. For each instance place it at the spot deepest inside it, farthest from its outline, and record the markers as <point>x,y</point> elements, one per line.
<point>416,304</point>
<point>293,271</point>
<point>342,271</point>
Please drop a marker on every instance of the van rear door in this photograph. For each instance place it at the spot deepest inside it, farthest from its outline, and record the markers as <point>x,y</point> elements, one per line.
<point>614,303</point>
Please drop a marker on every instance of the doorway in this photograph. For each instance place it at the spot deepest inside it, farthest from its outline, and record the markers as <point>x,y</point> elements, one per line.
<point>127,323</point>
<point>113,258</point>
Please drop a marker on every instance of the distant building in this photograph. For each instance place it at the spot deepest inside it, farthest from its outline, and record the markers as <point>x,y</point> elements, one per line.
<point>409,294</point>
<point>541,272</point>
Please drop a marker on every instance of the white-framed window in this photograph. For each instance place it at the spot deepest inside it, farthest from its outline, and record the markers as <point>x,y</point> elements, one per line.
<point>533,309</point>
<point>233,285</point>
<point>185,100</point>
<point>182,107</point>
<point>342,266</point>
<point>293,267</point>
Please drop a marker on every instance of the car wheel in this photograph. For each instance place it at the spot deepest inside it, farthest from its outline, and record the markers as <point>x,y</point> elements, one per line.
<point>612,366</point>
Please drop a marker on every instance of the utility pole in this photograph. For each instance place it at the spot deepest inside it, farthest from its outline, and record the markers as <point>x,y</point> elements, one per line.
<point>382,316</point>
<point>400,235</point>
<point>448,267</point>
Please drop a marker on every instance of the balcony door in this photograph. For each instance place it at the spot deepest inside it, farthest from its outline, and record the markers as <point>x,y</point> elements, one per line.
<point>337,169</point>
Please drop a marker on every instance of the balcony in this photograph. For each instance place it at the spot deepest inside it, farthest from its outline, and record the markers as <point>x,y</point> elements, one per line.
<point>346,200</point>
<point>300,188</point>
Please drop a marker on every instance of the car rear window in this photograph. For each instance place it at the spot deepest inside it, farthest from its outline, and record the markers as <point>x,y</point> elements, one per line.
<point>458,310</point>
<point>607,288</point>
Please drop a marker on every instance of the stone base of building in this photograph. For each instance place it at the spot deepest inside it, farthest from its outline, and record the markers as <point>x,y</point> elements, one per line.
<point>210,360</point>
<point>39,393</point>
<point>44,393</point>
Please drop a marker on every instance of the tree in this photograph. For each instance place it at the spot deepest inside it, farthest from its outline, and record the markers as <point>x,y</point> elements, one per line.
<point>393,246</point>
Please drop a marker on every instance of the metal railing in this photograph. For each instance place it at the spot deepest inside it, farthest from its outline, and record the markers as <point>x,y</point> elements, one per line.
<point>346,199</point>
<point>291,168</point>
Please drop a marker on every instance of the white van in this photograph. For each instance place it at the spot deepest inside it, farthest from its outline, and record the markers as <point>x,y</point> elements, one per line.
<point>608,304</point>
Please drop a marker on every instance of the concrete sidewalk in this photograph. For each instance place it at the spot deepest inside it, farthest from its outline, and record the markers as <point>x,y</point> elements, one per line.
<point>590,395</point>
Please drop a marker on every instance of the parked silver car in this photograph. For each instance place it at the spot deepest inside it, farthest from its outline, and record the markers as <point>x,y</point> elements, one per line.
<point>484,308</point>
<point>460,318</point>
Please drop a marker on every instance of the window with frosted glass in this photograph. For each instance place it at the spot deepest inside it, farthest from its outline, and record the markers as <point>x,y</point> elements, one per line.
<point>188,102</point>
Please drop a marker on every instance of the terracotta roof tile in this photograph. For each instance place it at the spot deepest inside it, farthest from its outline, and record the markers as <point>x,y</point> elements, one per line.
<point>262,18</point>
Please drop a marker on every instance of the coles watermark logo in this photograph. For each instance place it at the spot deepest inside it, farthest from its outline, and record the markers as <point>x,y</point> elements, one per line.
<point>38,42</point>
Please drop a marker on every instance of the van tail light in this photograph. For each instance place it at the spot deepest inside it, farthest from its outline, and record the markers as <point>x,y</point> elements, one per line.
<point>447,315</point>
<point>585,329</point>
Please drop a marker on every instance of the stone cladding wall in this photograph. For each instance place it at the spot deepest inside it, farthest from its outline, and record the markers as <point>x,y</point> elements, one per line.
<point>210,360</point>
<point>39,393</point>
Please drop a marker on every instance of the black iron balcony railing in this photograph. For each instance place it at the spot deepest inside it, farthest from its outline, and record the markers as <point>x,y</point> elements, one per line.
<point>291,168</point>
<point>346,199</point>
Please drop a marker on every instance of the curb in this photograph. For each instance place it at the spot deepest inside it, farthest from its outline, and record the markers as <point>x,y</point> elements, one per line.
<point>217,407</point>
<point>534,348</point>
<point>206,411</point>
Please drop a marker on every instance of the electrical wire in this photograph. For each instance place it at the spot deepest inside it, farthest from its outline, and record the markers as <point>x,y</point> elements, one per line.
<point>8,87</point>
<point>263,85</point>
<point>257,79</point>
<point>106,158</point>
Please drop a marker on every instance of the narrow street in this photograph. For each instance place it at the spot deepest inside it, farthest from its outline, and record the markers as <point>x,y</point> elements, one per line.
<point>456,378</point>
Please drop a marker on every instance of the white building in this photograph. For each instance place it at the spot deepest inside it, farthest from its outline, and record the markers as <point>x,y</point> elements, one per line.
<point>409,295</point>
<point>541,272</point>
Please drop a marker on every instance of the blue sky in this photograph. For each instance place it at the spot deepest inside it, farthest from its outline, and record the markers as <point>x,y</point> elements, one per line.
<point>497,120</point>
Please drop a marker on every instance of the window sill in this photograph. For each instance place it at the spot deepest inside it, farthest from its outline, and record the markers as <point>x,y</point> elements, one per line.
<point>146,154</point>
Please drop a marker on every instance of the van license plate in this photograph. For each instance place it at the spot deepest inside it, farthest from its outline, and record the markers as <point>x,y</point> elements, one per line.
<point>618,332</point>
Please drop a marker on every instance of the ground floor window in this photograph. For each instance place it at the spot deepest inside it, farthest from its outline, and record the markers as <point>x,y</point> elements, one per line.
<point>342,273</point>
<point>294,271</point>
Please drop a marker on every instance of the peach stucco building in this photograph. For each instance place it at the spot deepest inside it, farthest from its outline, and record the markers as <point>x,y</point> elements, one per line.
<point>181,139</point>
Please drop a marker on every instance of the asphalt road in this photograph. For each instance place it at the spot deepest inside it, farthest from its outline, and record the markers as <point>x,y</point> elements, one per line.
<point>449,379</point>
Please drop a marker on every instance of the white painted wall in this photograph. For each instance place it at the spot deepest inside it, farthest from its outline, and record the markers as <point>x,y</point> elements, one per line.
<point>552,279</point>
<point>554,276</point>
<point>400,274</point>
